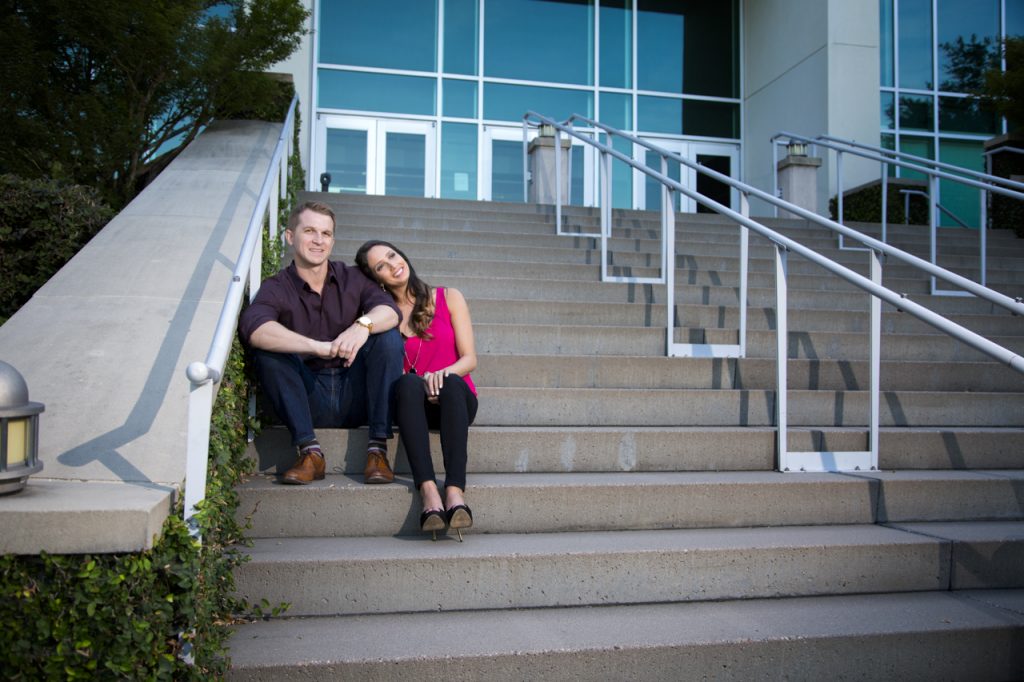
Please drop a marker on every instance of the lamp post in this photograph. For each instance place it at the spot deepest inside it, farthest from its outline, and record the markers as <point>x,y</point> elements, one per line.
<point>19,431</point>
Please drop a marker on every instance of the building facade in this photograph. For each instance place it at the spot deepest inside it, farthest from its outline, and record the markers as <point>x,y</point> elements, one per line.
<point>426,97</point>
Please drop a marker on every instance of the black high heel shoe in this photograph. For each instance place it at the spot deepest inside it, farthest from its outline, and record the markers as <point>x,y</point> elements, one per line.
<point>460,516</point>
<point>432,520</point>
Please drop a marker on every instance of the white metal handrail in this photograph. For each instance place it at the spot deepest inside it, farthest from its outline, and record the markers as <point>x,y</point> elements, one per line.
<point>933,170</point>
<point>803,461</point>
<point>205,376</point>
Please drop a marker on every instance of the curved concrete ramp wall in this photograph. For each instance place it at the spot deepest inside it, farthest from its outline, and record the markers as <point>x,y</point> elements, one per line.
<point>105,343</point>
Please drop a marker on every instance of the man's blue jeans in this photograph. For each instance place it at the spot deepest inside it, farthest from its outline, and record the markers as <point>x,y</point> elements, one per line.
<point>334,398</point>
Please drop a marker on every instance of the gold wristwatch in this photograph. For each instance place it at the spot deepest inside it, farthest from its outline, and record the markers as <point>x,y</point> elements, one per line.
<point>365,321</point>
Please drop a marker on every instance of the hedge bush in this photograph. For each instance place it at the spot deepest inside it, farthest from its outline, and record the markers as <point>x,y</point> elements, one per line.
<point>1004,212</point>
<point>43,223</point>
<point>865,205</point>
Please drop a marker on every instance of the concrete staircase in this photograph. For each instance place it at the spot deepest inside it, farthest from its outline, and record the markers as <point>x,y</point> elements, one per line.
<point>630,523</point>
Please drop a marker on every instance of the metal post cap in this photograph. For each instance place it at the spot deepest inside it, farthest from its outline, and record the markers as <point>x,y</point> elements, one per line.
<point>14,400</point>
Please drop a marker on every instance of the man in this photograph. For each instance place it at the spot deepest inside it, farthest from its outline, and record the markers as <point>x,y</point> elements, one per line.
<point>326,347</point>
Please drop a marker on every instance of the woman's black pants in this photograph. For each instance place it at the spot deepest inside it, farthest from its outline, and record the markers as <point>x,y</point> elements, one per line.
<point>452,414</point>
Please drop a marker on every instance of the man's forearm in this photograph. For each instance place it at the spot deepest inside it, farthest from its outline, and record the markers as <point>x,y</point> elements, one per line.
<point>276,338</point>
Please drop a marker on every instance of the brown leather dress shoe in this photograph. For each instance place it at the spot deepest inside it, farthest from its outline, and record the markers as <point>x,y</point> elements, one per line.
<point>307,468</point>
<point>377,469</point>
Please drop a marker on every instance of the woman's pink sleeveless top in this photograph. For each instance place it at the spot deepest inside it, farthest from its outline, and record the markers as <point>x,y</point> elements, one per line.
<point>439,351</point>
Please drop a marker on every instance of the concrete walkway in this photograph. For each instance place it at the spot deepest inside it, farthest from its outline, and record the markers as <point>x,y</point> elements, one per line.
<point>105,343</point>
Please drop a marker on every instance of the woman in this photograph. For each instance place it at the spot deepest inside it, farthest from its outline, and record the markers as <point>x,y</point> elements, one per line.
<point>436,391</point>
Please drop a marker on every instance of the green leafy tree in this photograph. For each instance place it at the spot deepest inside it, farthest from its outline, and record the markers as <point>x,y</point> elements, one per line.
<point>93,92</point>
<point>1003,91</point>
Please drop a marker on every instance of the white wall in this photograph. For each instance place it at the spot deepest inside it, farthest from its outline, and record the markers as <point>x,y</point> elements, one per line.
<point>300,67</point>
<point>810,67</point>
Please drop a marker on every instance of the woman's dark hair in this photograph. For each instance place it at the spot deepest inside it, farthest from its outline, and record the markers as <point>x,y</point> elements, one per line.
<point>423,304</point>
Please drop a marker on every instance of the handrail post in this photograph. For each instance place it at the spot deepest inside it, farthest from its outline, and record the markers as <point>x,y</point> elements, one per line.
<point>885,200</point>
<point>526,169</point>
<point>744,267</point>
<point>606,210</point>
<point>775,175</point>
<point>667,214</point>
<point>668,242</point>
<point>558,180</point>
<point>781,356</point>
<point>932,226</point>
<point>875,359</point>
<point>200,411</point>
<point>983,228</point>
<point>839,193</point>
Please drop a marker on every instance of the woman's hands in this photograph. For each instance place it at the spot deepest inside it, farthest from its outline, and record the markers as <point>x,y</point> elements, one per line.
<point>434,382</point>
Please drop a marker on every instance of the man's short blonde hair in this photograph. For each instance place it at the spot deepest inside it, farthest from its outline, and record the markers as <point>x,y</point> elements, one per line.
<point>315,207</point>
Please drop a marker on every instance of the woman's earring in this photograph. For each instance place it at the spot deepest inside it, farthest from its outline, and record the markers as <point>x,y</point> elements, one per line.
<point>383,288</point>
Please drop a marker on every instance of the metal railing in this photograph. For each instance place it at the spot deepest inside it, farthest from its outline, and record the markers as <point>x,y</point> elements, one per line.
<point>933,170</point>
<point>907,193</point>
<point>788,461</point>
<point>205,376</point>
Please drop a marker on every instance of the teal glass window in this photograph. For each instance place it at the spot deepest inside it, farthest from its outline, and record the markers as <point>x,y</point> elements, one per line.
<point>346,160</point>
<point>888,110</point>
<point>622,174</point>
<point>617,110</point>
<point>360,34</point>
<point>888,141</point>
<point>965,115</point>
<point>617,43</point>
<point>915,43</point>
<point>458,161</point>
<point>916,112</point>
<point>540,40</point>
<point>459,98</point>
<point>405,164</point>
<point>659,115</point>
<point>376,92</point>
<point>576,176</point>
<point>504,102</point>
<point>886,53</point>
<point>652,187</point>
<point>967,31</point>
<point>960,200</point>
<point>1014,17</point>
<point>506,171</point>
<point>918,146</point>
<point>711,119</point>
<point>460,36</point>
<point>688,46</point>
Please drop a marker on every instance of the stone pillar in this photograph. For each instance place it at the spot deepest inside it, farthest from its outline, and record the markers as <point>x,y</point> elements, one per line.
<point>541,154</point>
<point>798,180</point>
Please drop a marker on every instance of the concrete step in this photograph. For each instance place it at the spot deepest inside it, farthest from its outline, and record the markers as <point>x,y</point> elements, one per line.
<point>592,340</point>
<point>909,636</point>
<point>593,371</point>
<point>383,575</point>
<point>727,407</point>
<point>516,449</point>
<point>653,315</point>
<point>342,506</point>
<point>983,554</point>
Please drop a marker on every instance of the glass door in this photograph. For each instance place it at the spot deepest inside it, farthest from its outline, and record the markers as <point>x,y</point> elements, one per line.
<point>376,156</point>
<point>719,157</point>
<point>501,167</point>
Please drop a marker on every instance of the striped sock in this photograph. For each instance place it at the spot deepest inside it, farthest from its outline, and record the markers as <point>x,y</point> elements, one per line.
<point>377,444</point>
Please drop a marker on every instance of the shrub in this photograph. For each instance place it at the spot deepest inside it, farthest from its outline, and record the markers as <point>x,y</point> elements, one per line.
<point>43,223</point>
<point>864,204</point>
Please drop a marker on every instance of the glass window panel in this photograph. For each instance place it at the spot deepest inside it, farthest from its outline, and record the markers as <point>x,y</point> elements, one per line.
<point>652,188</point>
<point>962,201</point>
<point>964,115</point>
<point>405,164</point>
<point>888,141</point>
<point>622,174</point>
<point>688,46</point>
<point>541,40</point>
<point>376,92</point>
<point>460,32</point>
<point>711,119</point>
<point>710,187</point>
<point>507,170</point>
<point>617,43</point>
<point>459,98</point>
<point>967,31</point>
<point>576,177</point>
<point>458,161</point>
<point>360,34</point>
<point>918,146</point>
<point>916,112</point>
<point>346,160</point>
<point>660,115</point>
<point>888,110</point>
<point>886,55</point>
<point>915,43</point>
<point>503,102</point>
<point>1014,17</point>
<point>617,110</point>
